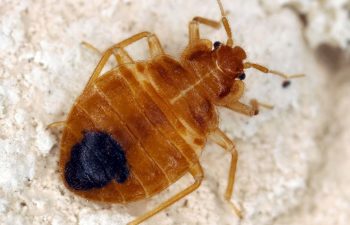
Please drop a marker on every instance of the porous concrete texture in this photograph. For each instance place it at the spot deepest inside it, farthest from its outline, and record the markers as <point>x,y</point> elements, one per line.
<point>293,160</point>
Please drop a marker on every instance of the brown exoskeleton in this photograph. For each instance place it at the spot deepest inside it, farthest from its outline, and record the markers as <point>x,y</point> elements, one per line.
<point>141,126</point>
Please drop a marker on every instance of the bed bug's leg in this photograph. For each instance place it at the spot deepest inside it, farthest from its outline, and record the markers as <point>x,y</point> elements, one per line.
<point>111,50</point>
<point>193,27</point>
<point>120,54</point>
<point>153,43</point>
<point>122,57</point>
<point>154,46</point>
<point>56,124</point>
<point>91,47</point>
<point>231,101</point>
<point>208,22</point>
<point>197,173</point>
<point>222,140</point>
<point>117,49</point>
<point>100,66</point>
<point>226,24</point>
<point>194,30</point>
<point>264,69</point>
<point>244,109</point>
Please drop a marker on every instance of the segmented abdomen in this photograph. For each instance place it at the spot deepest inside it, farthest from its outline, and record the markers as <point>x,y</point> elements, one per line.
<point>135,105</point>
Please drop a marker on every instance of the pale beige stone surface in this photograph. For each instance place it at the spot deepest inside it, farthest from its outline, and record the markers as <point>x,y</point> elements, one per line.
<point>294,159</point>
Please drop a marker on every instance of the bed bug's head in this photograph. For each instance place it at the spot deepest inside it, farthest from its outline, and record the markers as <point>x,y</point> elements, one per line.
<point>229,60</point>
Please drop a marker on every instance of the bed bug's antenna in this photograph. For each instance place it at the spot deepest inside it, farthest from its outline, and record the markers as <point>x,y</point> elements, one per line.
<point>226,25</point>
<point>266,70</point>
<point>248,65</point>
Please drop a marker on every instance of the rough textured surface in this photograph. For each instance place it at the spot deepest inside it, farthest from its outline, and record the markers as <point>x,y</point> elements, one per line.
<point>293,159</point>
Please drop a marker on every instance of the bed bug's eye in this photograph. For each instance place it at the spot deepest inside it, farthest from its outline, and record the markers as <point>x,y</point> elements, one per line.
<point>216,44</point>
<point>242,76</point>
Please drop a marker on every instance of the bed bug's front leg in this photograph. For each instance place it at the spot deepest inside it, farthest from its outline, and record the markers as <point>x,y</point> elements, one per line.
<point>244,109</point>
<point>193,27</point>
<point>221,139</point>
<point>231,101</point>
<point>197,173</point>
<point>247,110</point>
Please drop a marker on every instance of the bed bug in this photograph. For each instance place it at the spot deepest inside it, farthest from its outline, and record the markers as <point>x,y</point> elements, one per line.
<point>139,127</point>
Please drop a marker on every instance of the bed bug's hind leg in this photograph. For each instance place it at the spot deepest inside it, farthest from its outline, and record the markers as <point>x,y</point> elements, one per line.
<point>222,140</point>
<point>197,173</point>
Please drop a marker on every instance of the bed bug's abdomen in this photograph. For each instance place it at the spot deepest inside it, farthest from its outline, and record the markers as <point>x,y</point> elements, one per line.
<point>127,120</point>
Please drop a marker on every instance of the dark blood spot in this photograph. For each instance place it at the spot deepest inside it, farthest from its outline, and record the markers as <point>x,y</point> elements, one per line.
<point>95,161</point>
<point>286,83</point>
